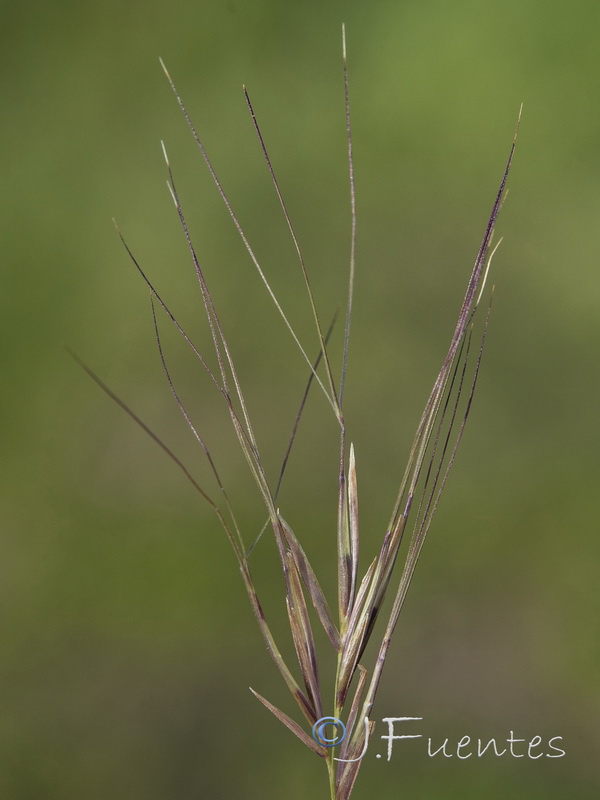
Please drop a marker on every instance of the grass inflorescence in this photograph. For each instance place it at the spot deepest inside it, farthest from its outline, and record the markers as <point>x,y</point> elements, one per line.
<point>361,594</point>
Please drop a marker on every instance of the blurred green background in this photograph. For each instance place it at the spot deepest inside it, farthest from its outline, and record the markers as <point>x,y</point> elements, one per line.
<point>127,642</point>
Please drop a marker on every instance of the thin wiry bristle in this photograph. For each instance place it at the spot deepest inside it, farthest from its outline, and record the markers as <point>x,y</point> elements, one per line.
<point>250,251</point>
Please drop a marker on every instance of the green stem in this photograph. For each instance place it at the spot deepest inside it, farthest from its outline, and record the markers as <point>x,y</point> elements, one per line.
<point>336,713</point>
<point>331,770</point>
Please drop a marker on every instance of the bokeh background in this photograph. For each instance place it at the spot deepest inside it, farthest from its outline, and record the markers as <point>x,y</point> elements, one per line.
<point>127,642</point>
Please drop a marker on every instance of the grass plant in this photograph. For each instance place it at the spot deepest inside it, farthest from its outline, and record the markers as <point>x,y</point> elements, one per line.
<point>355,621</point>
